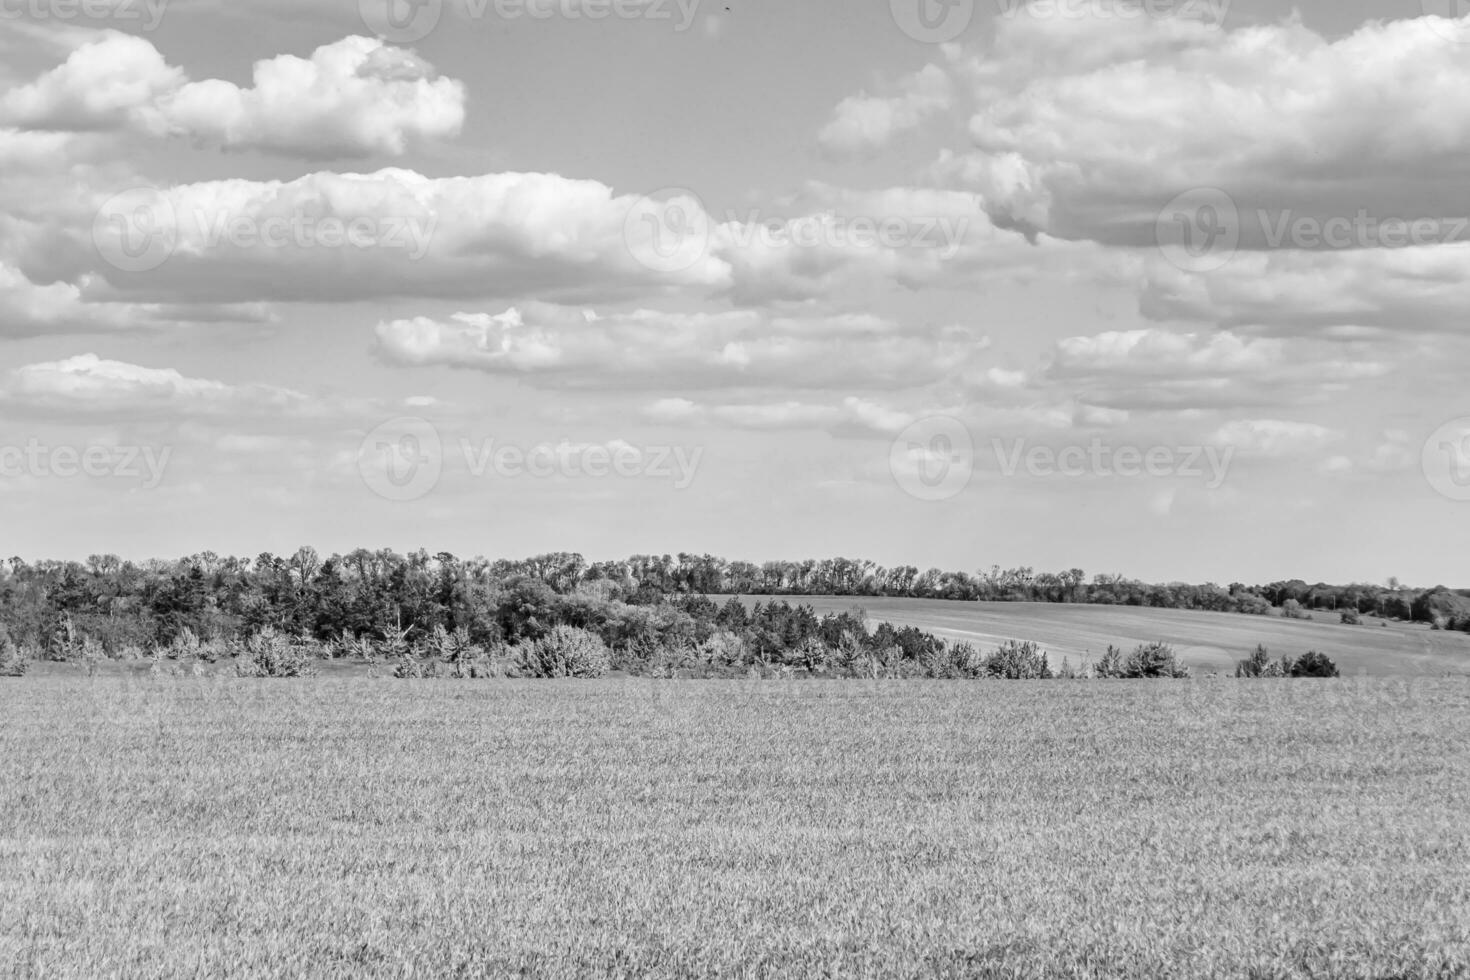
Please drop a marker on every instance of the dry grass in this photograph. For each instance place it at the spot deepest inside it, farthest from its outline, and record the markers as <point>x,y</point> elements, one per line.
<point>211,827</point>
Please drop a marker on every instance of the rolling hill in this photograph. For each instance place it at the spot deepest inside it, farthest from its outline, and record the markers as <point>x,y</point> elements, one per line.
<point>1207,641</point>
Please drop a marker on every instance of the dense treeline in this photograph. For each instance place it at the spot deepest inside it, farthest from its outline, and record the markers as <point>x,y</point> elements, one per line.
<point>637,607</point>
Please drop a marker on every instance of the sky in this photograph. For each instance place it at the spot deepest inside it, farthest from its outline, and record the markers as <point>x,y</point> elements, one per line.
<point>1175,289</point>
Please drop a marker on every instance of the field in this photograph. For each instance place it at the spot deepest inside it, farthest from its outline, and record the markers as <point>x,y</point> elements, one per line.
<point>1206,641</point>
<point>328,827</point>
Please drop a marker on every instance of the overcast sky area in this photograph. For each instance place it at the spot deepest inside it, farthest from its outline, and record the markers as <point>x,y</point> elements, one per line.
<point>1177,290</point>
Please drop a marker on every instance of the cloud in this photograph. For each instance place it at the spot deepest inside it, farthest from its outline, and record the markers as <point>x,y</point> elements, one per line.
<point>355,98</point>
<point>90,386</point>
<point>1088,126</point>
<point>862,123</point>
<point>564,347</point>
<point>1274,437</point>
<point>29,310</point>
<point>1361,293</point>
<point>1161,370</point>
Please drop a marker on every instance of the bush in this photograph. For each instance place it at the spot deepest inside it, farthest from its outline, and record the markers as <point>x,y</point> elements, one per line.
<point>955,661</point>
<point>1350,617</point>
<point>1314,664</point>
<point>13,663</point>
<point>1154,660</point>
<point>1110,664</point>
<point>272,654</point>
<point>565,651</point>
<point>1015,661</point>
<point>1291,609</point>
<point>1260,664</point>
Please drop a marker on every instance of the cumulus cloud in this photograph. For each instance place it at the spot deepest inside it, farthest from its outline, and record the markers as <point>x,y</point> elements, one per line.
<point>1161,370</point>
<point>28,309</point>
<point>1355,294</point>
<point>866,122</point>
<point>90,386</point>
<point>1275,437</point>
<point>356,98</point>
<point>559,346</point>
<point>1088,126</point>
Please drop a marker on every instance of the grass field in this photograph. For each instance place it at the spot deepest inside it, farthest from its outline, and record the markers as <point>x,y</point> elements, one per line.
<point>1206,641</point>
<point>1218,828</point>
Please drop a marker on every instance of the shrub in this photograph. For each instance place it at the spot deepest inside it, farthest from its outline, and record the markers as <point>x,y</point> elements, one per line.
<point>1154,660</point>
<point>954,661</point>
<point>1291,609</point>
<point>272,654</point>
<point>1015,661</point>
<point>1259,664</point>
<point>1314,664</point>
<point>1110,664</point>
<point>13,662</point>
<point>1350,617</point>
<point>725,649</point>
<point>565,651</point>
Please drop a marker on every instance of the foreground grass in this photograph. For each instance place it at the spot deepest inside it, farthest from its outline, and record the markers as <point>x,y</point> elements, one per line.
<point>348,828</point>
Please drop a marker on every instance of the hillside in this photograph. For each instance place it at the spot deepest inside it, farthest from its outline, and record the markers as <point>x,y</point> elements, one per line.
<point>1207,641</point>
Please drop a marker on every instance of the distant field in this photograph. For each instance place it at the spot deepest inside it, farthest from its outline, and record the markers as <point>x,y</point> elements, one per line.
<point>334,828</point>
<point>1207,641</point>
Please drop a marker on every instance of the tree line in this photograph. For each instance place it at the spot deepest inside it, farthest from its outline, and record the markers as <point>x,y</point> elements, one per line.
<point>644,602</point>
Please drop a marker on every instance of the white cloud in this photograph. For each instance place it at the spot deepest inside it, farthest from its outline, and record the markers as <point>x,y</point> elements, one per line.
<point>1087,126</point>
<point>355,98</point>
<point>1274,437</point>
<point>559,346</point>
<point>88,385</point>
<point>868,122</point>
